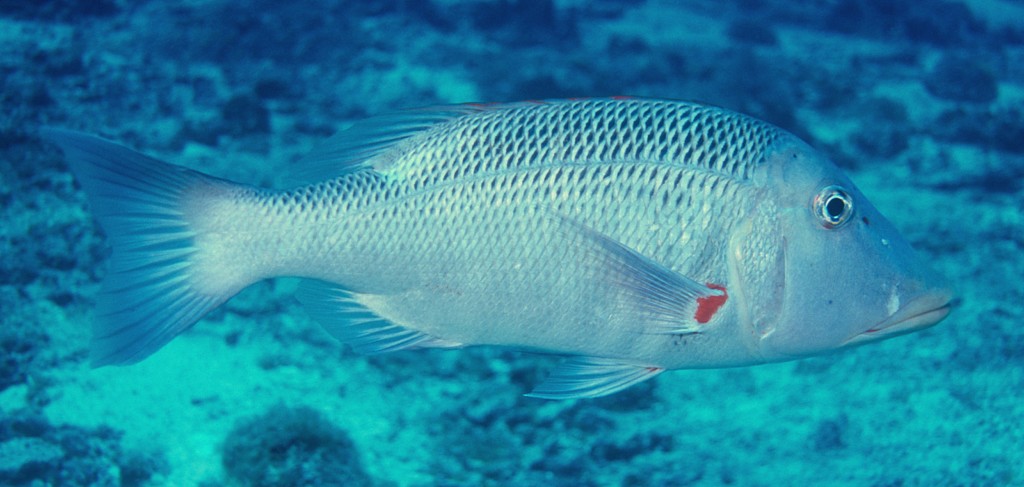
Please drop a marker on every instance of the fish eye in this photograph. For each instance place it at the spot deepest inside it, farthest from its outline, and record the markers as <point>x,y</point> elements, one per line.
<point>833,206</point>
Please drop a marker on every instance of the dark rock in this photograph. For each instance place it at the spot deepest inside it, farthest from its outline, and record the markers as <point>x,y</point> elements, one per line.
<point>314,127</point>
<point>752,31</point>
<point>541,88</point>
<point>882,142</point>
<point>273,88</point>
<point>292,446</point>
<point>607,9</point>
<point>259,31</point>
<point>637,445</point>
<point>1000,129</point>
<point>138,468</point>
<point>635,398</point>
<point>619,46</point>
<point>886,130</point>
<point>829,434</point>
<point>245,115</point>
<point>962,78</point>
<point>204,90</point>
<point>34,452</point>
<point>63,10</point>
<point>25,459</point>
<point>525,22</point>
<point>24,424</point>
<point>885,110</point>
<point>59,62</point>
<point>17,264</point>
<point>39,98</point>
<point>232,338</point>
<point>428,12</point>
<point>203,132</point>
<point>62,298</point>
<point>675,475</point>
<point>895,482</point>
<point>562,462</point>
<point>942,23</point>
<point>589,419</point>
<point>21,341</point>
<point>55,246</point>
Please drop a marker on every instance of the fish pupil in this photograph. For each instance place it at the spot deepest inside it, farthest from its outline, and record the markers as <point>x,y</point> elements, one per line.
<point>835,207</point>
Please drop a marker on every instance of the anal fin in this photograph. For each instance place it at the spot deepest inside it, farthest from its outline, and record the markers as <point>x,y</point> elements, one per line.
<point>586,377</point>
<point>350,321</point>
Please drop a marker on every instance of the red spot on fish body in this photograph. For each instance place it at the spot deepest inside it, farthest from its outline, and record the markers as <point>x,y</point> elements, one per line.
<point>621,97</point>
<point>709,305</point>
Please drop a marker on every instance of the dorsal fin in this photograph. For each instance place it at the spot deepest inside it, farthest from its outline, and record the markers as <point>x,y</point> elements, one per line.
<point>366,143</point>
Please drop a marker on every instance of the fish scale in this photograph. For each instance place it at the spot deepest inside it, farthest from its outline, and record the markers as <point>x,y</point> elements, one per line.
<point>588,132</point>
<point>568,191</point>
<point>630,235</point>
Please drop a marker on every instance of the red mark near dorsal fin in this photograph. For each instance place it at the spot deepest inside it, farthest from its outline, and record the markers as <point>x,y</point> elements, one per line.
<point>709,305</point>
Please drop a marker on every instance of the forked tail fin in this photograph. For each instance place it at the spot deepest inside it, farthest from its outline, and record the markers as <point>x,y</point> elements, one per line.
<point>156,287</point>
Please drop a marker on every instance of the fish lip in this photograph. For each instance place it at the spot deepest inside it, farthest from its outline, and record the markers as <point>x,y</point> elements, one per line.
<point>921,312</point>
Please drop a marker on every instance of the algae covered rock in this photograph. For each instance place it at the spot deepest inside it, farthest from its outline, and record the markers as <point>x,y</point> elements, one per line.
<point>22,340</point>
<point>292,446</point>
<point>21,457</point>
<point>35,452</point>
<point>961,78</point>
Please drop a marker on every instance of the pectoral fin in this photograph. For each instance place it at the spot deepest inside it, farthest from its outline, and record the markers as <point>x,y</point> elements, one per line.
<point>659,299</point>
<point>585,377</point>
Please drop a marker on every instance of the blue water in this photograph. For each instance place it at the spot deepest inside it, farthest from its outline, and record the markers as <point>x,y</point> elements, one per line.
<point>920,102</point>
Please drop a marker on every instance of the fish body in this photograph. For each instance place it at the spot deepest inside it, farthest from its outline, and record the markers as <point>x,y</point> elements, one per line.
<point>630,235</point>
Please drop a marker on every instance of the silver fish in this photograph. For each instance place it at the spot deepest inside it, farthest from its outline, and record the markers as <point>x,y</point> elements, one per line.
<point>630,235</point>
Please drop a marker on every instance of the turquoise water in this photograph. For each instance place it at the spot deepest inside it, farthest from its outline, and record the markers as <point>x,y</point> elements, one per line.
<point>919,102</point>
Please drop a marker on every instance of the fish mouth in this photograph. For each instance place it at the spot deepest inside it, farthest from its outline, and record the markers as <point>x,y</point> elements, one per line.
<point>921,312</point>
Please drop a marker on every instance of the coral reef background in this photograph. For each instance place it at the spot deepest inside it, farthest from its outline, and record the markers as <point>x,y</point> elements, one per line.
<point>921,102</point>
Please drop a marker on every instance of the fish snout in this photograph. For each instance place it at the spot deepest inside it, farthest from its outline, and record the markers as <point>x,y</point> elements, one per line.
<point>908,312</point>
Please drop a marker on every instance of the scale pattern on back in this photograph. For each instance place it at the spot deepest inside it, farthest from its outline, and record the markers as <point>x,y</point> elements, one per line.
<point>523,135</point>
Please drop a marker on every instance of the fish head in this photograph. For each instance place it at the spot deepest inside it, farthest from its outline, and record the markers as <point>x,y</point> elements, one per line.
<point>842,274</point>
